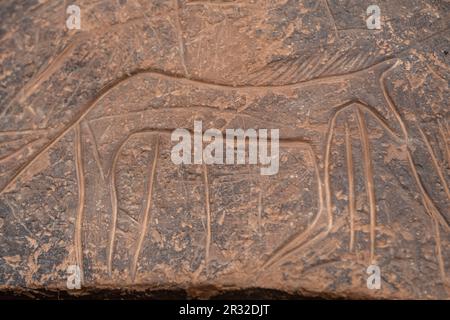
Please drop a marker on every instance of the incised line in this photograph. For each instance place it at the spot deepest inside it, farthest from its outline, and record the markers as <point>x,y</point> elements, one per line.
<point>351,185</point>
<point>81,196</point>
<point>370,185</point>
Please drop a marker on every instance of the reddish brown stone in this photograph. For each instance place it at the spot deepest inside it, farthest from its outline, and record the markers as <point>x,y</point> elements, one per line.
<point>86,176</point>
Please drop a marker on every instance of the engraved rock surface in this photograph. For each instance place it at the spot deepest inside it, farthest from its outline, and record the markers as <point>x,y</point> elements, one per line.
<point>86,176</point>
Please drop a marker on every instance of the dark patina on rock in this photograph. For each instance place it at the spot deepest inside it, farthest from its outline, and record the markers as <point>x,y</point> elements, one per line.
<point>87,180</point>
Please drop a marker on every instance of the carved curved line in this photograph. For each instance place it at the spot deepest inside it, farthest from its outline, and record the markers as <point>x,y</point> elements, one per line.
<point>351,186</point>
<point>370,185</point>
<point>113,192</point>
<point>81,196</point>
<point>114,207</point>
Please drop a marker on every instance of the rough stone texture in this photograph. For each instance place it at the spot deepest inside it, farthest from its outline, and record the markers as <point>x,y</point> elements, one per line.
<point>86,176</point>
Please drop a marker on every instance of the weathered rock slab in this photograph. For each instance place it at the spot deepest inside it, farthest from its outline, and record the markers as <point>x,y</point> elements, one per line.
<point>88,186</point>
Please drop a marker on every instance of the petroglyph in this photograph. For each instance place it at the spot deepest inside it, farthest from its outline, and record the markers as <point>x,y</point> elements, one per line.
<point>86,176</point>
